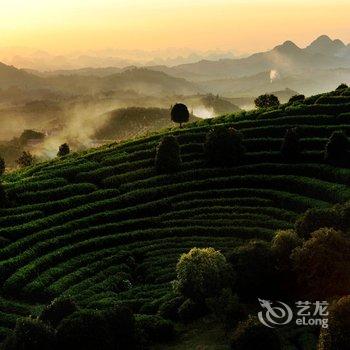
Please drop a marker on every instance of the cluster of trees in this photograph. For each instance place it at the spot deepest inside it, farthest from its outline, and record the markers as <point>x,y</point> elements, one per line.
<point>223,147</point>
<point>62,325</point>
<point>310,262</point>
<point>336,151</point>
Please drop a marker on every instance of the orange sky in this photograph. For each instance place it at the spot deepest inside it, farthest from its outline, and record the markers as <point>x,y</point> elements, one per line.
<point>241,25</point>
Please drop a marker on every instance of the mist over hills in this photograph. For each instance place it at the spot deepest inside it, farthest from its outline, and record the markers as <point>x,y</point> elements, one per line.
<point>313,69</point>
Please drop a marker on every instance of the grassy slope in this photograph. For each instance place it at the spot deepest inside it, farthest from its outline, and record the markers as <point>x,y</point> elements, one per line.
<point>79,221</point>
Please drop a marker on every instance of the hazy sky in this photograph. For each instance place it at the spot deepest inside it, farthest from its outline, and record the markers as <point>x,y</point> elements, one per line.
<point>242,25</point>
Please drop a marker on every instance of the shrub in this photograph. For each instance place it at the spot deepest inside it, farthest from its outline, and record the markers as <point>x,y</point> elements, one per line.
<point>169,309</point>
<point>267,100</point>
<point>254,268</point>
<point>337,149</point>
<point>180,114</point>
<point>63,150</point>
<point>223,147</point>
<point>202,273</point>
<point>341,87</point>
<point>337,335</point>
<point>252,335</point>
<point>291,148</point>
<point>59,309</point>
<point>26,159</point>
<point>2,166</point>
<point>121,323</point>
<point>190,310</point>
<point>30,334</point>
<point>316,218</point>
<point>168,155</point>
<point>322,264</point>
<point>284,242</point>
<point>297,98</point>
<point>227,308</point>
<point>86,330</point>
<point>154,328</point>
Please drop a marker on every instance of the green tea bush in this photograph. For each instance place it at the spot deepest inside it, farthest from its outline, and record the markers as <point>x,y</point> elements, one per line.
<point>30,334</point>
<point>57,310</point>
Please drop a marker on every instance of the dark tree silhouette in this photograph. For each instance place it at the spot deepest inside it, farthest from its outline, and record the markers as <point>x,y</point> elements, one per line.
<point>291,148</point>
<point>297,98</point>
<point>180,114</point>
<point>337,149</point>
<point>26,159</point>
<point>2,165</point>
<point>341,87</point>
<point>224,147</point>
<point>267,100</point>
<point>63,150</point>
<point>168,158</point>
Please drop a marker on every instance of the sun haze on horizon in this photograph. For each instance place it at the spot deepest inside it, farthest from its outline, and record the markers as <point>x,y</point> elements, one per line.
<point>241,25</point>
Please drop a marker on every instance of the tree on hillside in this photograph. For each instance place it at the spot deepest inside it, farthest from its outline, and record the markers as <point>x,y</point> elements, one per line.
<point>26,159</point>
<point>336,335</point>
<point>63,150</point>
<point>224,147</point>
<point>168,158</point>
<point>291,148</point>
<point>267,100</point>
<point>322,265</point>
<point>342,87</point>
<point>337,149</point>
<point>202,273</point>
<point>2,166</point>
<point>180,114</point>
<point>297,98</point>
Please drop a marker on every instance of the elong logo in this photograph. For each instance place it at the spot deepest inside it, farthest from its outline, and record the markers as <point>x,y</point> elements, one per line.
<point>307,313</point>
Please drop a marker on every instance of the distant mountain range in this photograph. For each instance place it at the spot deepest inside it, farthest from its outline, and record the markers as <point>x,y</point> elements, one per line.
<point>316,68</point>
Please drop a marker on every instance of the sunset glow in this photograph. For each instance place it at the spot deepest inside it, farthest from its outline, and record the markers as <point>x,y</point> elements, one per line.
<point>68,25</point>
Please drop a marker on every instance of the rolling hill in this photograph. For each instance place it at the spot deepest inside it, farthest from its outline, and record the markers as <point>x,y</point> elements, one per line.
<point>77,222</point>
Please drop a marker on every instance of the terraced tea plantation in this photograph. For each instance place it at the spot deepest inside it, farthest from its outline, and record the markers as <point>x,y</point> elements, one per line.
<point>103,226</point>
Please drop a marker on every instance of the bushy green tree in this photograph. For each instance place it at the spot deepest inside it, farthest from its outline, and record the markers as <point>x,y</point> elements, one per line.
<point>337,335</point>
<point>63,150</point>
<point>180,114</point>
<point>26,159</point>
<point>30,334</point>
<point>168,158</point>
<point>202,273</point>
<point>252,335</point>
<point>316,218</point>
<point>85,329</point>
<point>267,100</point>
<point>291,148</point>
<point>224,147</point>
<point>254,267</point>
<point>57,310</point>
<point>322,265</point>
<point>337,149</point>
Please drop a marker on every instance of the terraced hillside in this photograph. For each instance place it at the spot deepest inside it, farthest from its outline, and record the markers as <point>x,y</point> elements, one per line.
<point>102,226</point>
